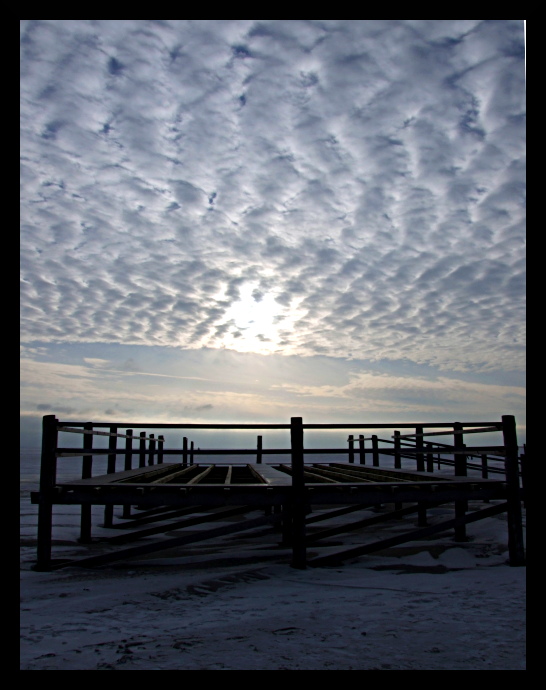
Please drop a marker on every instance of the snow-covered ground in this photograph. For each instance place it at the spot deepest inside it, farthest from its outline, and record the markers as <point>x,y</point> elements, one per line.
<point>236,604</point>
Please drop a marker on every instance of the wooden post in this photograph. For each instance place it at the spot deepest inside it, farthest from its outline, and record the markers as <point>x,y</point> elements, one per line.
<point>48,474</point>
<point>259,451</point>
<point>397,455</point>
<point>485,468</point>
<point>485,471</point>
<point>128,462</point>
<point>375,451</point>
<point>351,442</point>
<point>191,453</point>
<point>286,524</point>
<point>160,442</point>
<point>128,465</point>
<point>419,455</point>
<point>298,494</point>
<point>460,471</point>
<point>375,459</point>
<point>397,461</point>
<point>420,467</point>
<point>430,458</point>
<point>87,465</point>
<point>185,452</point>
<point>142,450</point>
<point>151,450</point>
<point>110,469</point>
<point>516,550</point>
<point>361,450</point>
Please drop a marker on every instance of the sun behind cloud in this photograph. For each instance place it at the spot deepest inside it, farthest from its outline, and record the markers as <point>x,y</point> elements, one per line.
<point>256,322</point>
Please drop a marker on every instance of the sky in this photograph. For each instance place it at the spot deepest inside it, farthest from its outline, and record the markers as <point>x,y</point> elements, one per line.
<point>249,220</point>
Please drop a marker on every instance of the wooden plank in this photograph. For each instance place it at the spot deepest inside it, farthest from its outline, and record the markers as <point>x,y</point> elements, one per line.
<point>134,551</point>
<point>147,425</point>
<point>337,474</point>
<point>365,522</point>
<point>227,480</point>
<point>336,512</point>
<point>178,524</point>
<point>387,474</point>
<point>127,475</point>
<point>273,477</point>
<point>157,515</point>
<point>317,476</point>
<point>451,433</point>
<point>201,475</point>
<point>172,475</point>
<point>405,425</point>
<point>415,535</point>
<point>254,472</point>
<point>92,432</point>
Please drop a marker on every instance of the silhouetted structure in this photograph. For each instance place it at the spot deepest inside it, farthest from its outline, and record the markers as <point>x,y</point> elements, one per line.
<point>181,494</point>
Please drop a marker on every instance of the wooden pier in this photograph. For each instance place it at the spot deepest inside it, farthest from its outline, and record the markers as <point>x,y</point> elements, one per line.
<point>172,490</point>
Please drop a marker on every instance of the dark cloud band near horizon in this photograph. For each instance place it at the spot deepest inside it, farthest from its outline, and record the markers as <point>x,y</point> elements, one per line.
<point>346,188</point>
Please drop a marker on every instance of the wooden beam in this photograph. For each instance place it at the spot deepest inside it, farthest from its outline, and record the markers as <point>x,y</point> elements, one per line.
<point>339,556</point>
<point>172,475</point>
<point>298,494</point>
<point>201,475</point>
<point>135,551</point>
<point>227,480</point>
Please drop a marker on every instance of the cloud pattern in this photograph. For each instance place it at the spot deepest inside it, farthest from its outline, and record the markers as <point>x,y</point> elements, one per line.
<point>349,188</point>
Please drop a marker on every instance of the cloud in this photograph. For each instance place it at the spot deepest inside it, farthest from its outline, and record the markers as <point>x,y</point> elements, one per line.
<point>363,178</point>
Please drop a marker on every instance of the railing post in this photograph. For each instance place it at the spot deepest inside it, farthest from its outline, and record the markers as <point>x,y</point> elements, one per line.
<point>191,453</point>
<point>361,450</point>
<point>298,494</point>
<point>430,458</point>
<point>485,470</point>
<point>87,465</point>
<point>185,451</point>
<point>375,451</point>
<point>151,450</point>
<point>48,473</point>
<point>128,462</point>
<point>459,460</point>
<point>516,548</point>
<point>160,442</point>
<point>351,442</point>
<point>142,449</point>
<point>397,455</point>
<point>110,469</point>
<point>419,455</point>
<point>397,461</point>
<point>128,465</point>
<point>259,451</point>
<point>420,467</point>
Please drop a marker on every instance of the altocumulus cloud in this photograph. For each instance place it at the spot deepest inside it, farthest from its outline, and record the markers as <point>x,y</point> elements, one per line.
<point>348,188</point>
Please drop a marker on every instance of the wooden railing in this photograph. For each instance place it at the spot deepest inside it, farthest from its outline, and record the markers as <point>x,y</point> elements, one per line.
<point>151,450</point>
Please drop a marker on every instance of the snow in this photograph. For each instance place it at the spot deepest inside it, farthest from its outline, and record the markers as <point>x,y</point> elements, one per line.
<point>235,603</point>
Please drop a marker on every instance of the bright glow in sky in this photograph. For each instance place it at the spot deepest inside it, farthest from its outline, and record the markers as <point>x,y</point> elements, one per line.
<point>256,322</point>
<point>252,219</point>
